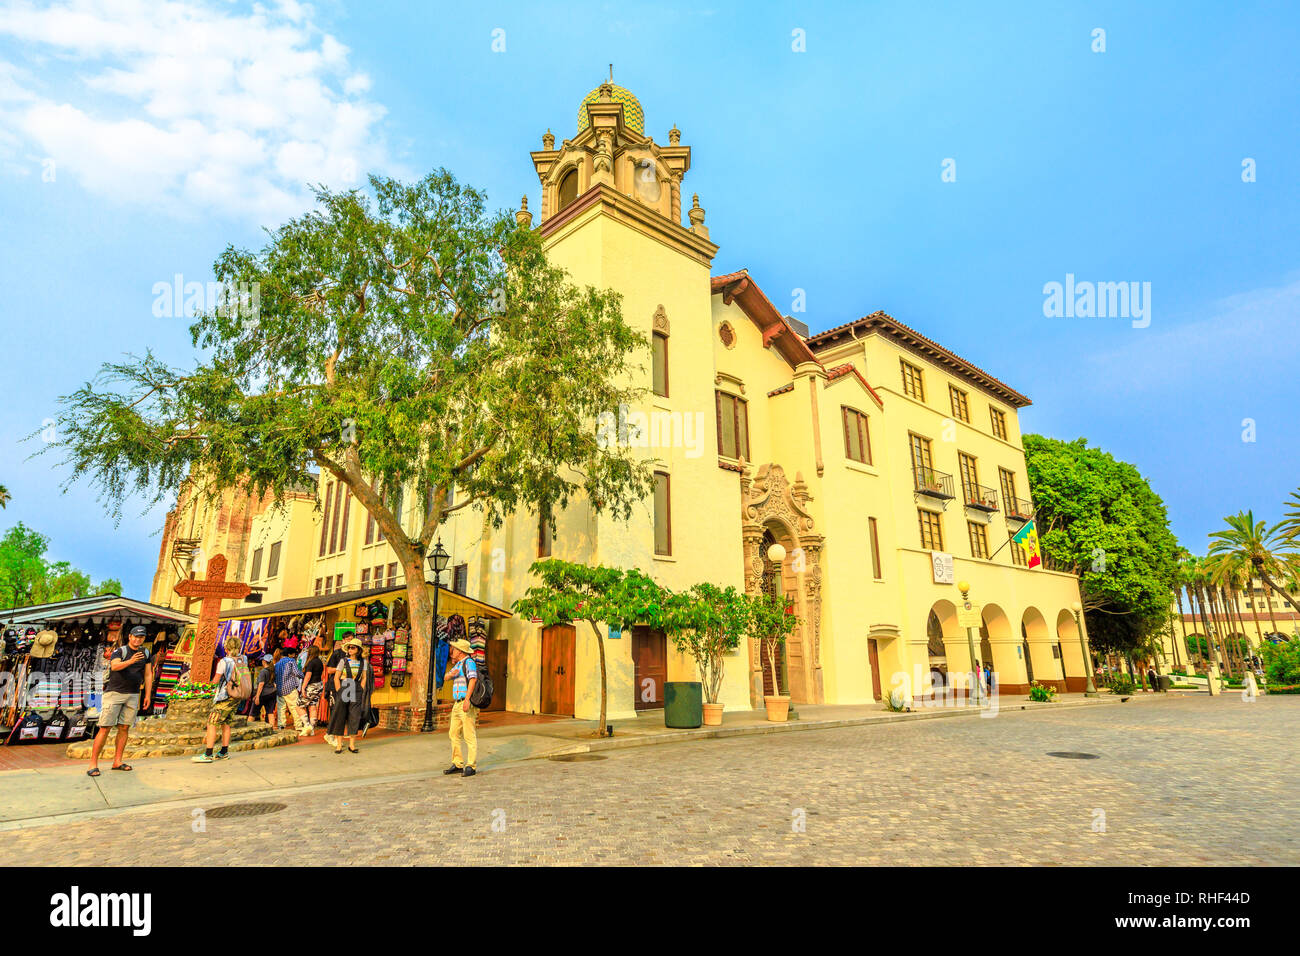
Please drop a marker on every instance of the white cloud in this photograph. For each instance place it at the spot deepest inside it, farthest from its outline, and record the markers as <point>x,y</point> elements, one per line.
<point>188,103</point>
<point>1233,339</point>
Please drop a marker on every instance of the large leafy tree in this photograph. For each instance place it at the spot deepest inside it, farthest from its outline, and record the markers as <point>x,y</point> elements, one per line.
<point>405,339</point>
<point>1098,518</point>
<point>27,577</point>
<point>601,596</point>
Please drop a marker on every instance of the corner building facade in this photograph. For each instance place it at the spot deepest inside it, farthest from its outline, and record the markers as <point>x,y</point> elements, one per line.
<point>883,464</point>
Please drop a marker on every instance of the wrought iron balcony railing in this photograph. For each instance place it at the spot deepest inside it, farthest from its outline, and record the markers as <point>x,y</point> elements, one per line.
<point>936,484</point>
<point>979,496</point>
<point>1019,509</point>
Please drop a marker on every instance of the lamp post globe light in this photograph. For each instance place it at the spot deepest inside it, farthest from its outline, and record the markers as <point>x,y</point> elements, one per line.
<point>438,562</point>
<point>1091,689</point>
<point>964,588</point>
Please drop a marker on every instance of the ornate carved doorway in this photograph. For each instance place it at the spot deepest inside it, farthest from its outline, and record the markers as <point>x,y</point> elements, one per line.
<point>773,512</point>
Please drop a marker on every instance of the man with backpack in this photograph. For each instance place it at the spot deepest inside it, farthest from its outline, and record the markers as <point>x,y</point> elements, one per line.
<point>465,690</point>
<point>234,687</point>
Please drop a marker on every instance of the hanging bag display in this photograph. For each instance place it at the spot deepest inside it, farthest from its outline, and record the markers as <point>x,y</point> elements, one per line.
<point>27,730</point>
<point>55,728</point>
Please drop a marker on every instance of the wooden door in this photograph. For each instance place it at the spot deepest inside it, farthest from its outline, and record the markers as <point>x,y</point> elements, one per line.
<point>557,670</point>
<point>873,653</point>
<point>498,657</point>
<point>796,650</point>
<point>650,667</point>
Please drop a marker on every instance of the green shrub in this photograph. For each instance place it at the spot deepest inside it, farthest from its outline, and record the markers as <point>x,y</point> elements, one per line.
<point>1041,692</point>
<point>1282,662</point>
<point>1121,684</point>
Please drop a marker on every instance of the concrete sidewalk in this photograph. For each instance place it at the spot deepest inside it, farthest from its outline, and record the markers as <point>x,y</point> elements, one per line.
<point>44,795</point>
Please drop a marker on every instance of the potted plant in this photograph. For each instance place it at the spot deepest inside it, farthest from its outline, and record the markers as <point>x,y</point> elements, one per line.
<point>707,623</point>
<point>771,620</point>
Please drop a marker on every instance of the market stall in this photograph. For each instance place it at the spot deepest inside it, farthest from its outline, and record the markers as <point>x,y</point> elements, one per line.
<point>53,659</point>
<point>380,618</point>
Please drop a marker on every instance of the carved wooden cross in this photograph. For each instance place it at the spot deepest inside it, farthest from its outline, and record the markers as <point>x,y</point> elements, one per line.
<point>210,592</point>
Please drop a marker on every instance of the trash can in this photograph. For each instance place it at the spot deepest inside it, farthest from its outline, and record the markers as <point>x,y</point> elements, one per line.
<point>1166,682</point>
<point>683,704</point>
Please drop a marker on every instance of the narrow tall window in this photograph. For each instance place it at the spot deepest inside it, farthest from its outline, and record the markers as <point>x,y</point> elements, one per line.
<point>318,582</point>
<point>733,426</point>
<point>857,439</point>
<point>338,583</point>
<point>913,382</point>
<point>379,576</point>
<point>931,530</point>
<point>325,519</point>
<point>921,463</point>
<point>568,188</point>
<point>979,542</point>
<point>334,525</point>
<point>875,548</point>
<point>659,345</point>
<point>960,407</point>
<point>273,561</point>
<point>392,575</point>
<point>1018,556</point>
<point>365,579</point>
<point>969,478</point>
<point>663,515</point>
<point>460,578</point>
<point>1008,481</point>
<point>257,566</point>
<point>999,423</point>
<point>347,511</point>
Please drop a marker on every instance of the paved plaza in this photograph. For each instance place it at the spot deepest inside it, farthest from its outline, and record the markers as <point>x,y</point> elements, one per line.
<point>1176,781</point>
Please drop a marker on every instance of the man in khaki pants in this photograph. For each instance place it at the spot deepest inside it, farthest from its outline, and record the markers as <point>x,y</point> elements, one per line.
<point>463,674</point>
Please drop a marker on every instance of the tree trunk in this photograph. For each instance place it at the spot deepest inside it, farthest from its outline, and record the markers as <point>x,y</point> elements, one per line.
<point>1259,633</point>
<point>1209,634</point>
<point>419,597</point>
<point>1178,595</point>
<point>771,660</point>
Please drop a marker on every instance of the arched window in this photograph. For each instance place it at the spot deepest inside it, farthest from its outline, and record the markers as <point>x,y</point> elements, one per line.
<point>568,187</point>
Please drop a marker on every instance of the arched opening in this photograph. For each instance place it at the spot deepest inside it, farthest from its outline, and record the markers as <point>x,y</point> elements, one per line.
<point>1041,650</point>
<point>1004,650</point>
<point>938,655</point>
<point>568,189</point>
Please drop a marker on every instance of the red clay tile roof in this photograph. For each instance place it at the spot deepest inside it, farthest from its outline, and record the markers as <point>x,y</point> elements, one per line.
<point>739,287</point>
<point>918,343</point>
<point>842,370</point>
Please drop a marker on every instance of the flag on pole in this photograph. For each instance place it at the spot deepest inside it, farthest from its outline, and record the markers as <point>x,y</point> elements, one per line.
<point>1027,538</point>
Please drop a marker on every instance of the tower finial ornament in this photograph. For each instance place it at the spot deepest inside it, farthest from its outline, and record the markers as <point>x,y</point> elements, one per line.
<point>548,140</point>
<point>696,215</point>
<point>674,136</point>
<point>523,216</point>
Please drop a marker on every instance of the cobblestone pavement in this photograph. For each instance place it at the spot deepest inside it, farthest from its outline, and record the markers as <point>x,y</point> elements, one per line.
<point>1190,781</point>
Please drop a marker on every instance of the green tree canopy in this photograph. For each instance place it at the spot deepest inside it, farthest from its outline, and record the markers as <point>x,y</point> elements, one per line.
<point>405,339</point>
<point>707,622</point>
<point>1098,518</point>
<point>604,597</point>
<point>27,577</point>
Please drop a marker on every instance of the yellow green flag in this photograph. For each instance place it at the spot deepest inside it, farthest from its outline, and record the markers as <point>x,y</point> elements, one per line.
<point>1027,538</point>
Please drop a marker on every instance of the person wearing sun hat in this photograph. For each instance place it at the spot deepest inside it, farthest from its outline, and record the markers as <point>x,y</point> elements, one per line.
<point>463,674</point>
<point>353,682</point>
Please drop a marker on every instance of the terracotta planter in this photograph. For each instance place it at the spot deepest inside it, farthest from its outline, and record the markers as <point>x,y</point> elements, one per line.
<point>778,708</point>
<point>712,714</point>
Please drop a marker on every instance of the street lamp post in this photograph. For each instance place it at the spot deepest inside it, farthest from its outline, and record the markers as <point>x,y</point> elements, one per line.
<point>438,561</point>
<point>964,588</point>
<point>1091,689</point>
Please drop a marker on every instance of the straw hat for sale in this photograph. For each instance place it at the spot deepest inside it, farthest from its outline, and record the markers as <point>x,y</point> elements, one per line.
<point>463,646</point>
<point>43,643</point>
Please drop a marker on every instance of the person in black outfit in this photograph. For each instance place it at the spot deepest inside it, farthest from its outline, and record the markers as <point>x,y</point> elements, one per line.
<point>264,698</point>
<point>129,670</point>
<point>353,682</point>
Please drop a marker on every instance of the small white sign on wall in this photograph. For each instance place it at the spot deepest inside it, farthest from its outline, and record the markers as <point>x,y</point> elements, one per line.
<point>943,567</point>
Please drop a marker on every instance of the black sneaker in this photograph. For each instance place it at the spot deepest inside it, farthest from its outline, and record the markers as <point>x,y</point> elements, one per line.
<point>468,772</point>
<point>453,769</point>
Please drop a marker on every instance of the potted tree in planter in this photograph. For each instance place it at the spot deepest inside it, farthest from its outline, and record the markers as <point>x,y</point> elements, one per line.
<point>707,623</point>
<point>771,621</point>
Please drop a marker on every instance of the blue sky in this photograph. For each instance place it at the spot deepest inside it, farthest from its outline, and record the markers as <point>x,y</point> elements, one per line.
<point>138,139</point>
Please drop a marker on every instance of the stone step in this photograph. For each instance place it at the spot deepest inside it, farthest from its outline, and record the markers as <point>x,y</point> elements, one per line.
<point>137,749</point>
<point>182,731</point>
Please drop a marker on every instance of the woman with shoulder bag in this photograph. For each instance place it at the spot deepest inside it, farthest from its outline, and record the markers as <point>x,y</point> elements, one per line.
<point>353,682</point>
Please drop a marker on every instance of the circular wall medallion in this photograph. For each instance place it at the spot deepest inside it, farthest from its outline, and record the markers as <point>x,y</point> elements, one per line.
<point>727,335</point>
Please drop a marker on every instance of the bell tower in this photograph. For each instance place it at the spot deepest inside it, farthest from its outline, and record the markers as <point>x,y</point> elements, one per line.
<point>611,151</point>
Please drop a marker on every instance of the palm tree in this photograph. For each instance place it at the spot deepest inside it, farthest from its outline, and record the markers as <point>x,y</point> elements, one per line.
<point>1269,551</point>
<point>1199,584</point>
<point>4,496</point>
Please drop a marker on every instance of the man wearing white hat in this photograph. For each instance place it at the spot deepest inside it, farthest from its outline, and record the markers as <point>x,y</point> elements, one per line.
<point>463,674</point>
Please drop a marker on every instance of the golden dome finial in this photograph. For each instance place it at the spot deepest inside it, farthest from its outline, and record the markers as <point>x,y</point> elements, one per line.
<point>548,140</point>
<point>523,216</point>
